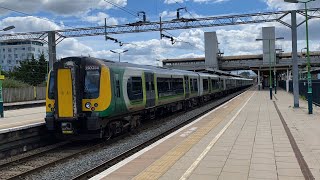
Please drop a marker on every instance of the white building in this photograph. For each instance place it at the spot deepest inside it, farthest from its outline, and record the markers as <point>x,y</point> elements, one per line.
<point>12,52</point>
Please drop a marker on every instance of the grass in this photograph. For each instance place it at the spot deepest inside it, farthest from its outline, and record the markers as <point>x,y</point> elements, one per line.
<point>303,97</point>
<point>12,83</point>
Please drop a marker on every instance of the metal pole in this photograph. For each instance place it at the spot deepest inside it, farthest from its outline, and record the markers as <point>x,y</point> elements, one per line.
<point>295,68</point>
<point>308,64</point>
<point>270,74</point>
<point>259,79</point>
<point>119,57</point>
<point>52,48</point>
<point>287,81</point>
<point>1,98</point>
<point>274,71</point>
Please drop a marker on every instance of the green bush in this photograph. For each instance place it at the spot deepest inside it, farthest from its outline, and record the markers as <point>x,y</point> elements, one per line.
<point>12,83</point>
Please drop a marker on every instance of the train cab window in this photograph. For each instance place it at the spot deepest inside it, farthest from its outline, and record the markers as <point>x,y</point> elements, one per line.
<point>134,88</point>
<point>205,84</point>
<point>91,84</point>
<point>51,88</point>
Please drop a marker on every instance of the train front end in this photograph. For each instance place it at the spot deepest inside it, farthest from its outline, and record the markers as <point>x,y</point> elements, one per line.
<point>78,92</point>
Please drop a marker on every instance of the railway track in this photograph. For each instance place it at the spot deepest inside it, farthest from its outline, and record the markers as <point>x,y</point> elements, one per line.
<point>107,164</point>
<point>22,167</point>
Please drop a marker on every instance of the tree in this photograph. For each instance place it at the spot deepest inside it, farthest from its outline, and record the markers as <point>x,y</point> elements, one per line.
<point>31,71</point>
<point>245,74</point>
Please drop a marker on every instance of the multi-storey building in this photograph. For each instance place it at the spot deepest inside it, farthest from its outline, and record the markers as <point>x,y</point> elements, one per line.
<point>12,52</point>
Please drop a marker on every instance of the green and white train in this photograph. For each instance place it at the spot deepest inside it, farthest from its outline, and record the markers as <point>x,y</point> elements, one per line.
<point>95,98</point>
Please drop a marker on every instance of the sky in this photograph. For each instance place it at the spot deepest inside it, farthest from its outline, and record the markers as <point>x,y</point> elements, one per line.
<point>148,48</point>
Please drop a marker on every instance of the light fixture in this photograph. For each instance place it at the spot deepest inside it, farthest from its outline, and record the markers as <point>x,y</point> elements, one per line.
<point>88,105</point>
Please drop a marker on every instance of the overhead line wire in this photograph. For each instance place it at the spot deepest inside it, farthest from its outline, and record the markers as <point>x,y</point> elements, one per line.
<point>180,39</point>
<point>123,9</point>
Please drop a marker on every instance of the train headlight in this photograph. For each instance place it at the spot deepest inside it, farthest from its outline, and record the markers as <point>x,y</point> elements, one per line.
<point>88,105</point>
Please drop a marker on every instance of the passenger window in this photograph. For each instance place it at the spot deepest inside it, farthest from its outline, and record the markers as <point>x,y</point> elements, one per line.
<point>195,85</point>
<point>134,88</point>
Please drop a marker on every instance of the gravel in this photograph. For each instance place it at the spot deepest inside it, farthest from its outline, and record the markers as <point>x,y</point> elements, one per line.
<point>83,163</point>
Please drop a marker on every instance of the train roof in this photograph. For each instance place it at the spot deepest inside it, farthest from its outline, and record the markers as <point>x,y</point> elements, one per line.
<point>99,61</point>
<point>129,65</point>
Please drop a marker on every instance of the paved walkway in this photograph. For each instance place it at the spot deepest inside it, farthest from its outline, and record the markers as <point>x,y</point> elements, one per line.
<point>243,139</point>
<point>304,127</point>
<point>22,118</point>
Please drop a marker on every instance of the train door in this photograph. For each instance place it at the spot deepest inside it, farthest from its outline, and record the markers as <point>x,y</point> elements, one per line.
<point>186,84</point>
<point>150,93</point>
<point>65,93</point>
<point>67,86</point>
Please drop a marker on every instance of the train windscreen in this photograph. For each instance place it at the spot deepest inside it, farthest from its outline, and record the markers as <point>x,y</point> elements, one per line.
<point>92,84</point>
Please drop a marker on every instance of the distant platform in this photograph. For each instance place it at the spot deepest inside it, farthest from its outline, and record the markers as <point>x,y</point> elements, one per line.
<point>22,118</point>
<point>249,137</point>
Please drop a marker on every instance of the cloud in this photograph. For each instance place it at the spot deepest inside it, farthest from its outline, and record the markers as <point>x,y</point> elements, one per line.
<point>29,23</point>
<point>196,1</point>
<point>58,7</point>
<point>173,1</point>
<point>213,1</point>
<point>281,5</point>
<point>72,47</point>
<point>99,19</point>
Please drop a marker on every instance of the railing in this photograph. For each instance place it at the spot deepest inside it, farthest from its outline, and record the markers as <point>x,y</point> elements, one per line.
<point>23,94</point>
<point>303,89</point>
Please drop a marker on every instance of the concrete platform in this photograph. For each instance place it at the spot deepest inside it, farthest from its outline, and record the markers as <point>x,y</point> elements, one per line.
<point>243,139</point>
<point>22,118</point>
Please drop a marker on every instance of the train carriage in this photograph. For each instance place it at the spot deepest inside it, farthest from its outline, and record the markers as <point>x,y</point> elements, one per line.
<point>94,98</point>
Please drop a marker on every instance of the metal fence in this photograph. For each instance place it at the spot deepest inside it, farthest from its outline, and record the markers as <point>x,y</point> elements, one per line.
<point>23,94</point>
<point>303,89</point>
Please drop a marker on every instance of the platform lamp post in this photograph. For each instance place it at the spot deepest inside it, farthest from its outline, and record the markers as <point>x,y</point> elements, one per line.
<point>119,52</point>
<point>270,71</point>
<point>308,54</point>
<point>1,99</point>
